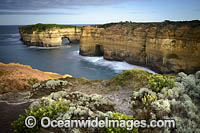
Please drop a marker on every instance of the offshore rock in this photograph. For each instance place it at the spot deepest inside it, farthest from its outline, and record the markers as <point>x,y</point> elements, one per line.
<point>50,37</point>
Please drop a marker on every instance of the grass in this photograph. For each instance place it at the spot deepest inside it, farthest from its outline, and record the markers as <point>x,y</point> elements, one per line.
<point>135,79</point>
<point>4,88</point>
<point>32,81</point>
<point>42,27</point>
<point>1,73</point>
<point>193,23</point>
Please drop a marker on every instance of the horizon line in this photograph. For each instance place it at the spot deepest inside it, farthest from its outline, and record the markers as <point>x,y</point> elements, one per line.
<point>104,23</point>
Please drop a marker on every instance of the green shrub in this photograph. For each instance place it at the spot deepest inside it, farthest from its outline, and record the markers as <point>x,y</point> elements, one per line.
<point>148,99</point>
<point>157,82</point>
<point>38,112</point>
<point>1,73</point>
<point>119,116</point>
<point>42,27</point>
<point>128,77</point>
<point>32,81</point>
<point>123,77</point>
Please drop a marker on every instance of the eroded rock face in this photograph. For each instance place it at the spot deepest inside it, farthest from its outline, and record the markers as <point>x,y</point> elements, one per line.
<point>51,37</point>
<point>166,47</point>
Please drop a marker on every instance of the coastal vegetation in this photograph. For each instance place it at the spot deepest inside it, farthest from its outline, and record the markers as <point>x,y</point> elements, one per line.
<point>39,112</point>
<point>119,116</point>
<point>193,23</point>
<point>163,98</point>
<point>157,82</point>
<point>1,73</point>
<point>151,96</point>
<point>76,105</point>
<point>42,27</point>
<point>178,102</point>
<point>135,78</point>
<point>32,81</point>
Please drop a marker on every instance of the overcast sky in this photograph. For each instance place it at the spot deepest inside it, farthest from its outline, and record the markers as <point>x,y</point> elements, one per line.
<point>20,12</point>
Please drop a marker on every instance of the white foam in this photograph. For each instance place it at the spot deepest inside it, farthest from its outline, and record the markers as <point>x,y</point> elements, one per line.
<point>59,47</point>
<point>117,66</point>
<point>15,35</point>
<point>10,37</point>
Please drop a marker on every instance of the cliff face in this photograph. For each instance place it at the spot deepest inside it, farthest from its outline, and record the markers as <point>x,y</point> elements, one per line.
<point>51,37</point>
<point>166,47</point>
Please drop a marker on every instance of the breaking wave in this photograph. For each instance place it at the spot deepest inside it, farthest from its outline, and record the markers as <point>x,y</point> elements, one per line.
<point>117,66</point>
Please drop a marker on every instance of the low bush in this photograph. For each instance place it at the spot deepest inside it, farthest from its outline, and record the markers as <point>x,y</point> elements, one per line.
<point>38,112</point>
<point>1,73</point>
<point>32,81</point>
<point>157,82</point>
<point>135,78</point>
<point>119,116</point>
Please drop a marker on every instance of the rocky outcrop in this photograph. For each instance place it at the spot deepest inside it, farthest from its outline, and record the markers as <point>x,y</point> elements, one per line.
<point>166,47</point>
<point>50,37</point>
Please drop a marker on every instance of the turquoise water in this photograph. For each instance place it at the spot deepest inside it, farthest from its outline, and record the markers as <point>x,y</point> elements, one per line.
<point>63,60</point>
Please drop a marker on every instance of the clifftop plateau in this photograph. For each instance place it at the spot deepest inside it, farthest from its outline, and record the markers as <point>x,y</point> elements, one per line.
<point>49,35</point>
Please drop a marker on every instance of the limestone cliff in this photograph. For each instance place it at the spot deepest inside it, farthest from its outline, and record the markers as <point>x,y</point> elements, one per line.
<point>166,47</point>
<point>50,36</point>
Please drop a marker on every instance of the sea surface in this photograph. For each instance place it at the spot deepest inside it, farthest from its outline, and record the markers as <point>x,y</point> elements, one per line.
<point>63,60</point>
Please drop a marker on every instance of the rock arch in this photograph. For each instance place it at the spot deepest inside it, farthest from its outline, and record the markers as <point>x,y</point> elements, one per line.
<point>65,40</point>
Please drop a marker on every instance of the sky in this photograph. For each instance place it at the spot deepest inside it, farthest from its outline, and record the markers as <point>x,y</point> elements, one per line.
<point>23,12</point>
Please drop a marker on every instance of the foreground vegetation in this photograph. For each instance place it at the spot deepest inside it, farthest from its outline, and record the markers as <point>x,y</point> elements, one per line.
<point>153,96</point>
<point>76,105</point>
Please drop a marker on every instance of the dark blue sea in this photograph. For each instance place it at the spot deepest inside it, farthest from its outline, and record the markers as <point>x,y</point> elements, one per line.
<point>63,60</point>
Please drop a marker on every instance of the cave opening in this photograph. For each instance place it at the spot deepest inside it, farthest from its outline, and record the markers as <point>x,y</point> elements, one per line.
<point>65,41</point>
<point>99,50</point>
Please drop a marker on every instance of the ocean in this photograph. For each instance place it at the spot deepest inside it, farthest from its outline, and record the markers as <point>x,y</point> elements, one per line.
<point>62,60</point>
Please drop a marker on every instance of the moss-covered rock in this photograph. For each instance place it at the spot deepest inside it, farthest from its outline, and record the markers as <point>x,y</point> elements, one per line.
<point>135,78</point>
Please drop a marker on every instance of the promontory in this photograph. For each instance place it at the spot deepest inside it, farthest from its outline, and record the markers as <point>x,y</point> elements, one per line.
<point>165,47</point>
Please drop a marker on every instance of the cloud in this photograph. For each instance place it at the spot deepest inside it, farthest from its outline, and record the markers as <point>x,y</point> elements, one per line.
<point>33,13</point>
<point>50,4</point>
